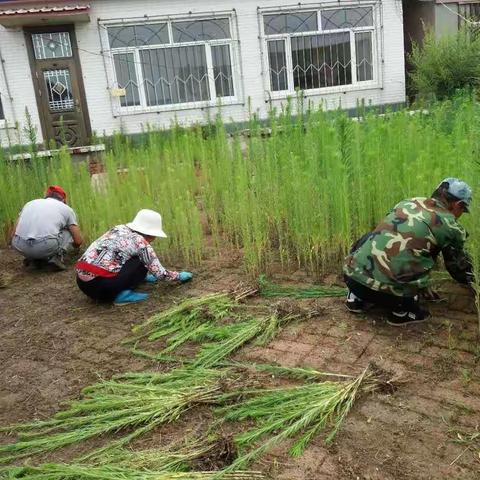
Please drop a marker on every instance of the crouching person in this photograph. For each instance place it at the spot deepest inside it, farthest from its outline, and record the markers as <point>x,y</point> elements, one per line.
<point>121,259</point>
<point>391,266</point>
<point>46,229</point>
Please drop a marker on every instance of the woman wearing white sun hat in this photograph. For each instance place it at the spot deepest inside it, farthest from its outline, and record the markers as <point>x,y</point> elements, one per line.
<point>117,262</point>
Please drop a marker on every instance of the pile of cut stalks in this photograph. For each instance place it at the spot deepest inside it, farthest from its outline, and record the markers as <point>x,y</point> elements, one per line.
<point>244,399</point>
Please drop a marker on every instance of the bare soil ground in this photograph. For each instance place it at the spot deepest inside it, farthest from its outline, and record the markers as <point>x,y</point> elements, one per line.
<point>55,342</point>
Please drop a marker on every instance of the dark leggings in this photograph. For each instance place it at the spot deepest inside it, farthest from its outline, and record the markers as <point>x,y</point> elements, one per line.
<point>391,302</point>
<point>106,289</point>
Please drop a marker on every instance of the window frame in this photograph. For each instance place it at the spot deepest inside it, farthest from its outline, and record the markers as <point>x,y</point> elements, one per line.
<point>356,85</point>
<point>214,101</point>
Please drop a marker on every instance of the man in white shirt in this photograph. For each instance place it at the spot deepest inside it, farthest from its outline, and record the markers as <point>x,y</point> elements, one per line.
<point>46,229</point>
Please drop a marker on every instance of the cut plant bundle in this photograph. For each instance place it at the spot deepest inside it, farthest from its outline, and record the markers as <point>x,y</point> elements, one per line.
<point>132,403</point>
<point>52,471</point>
<point>135,403</point>
<point>222,340</point>
<point>272,290</point>
<point>178,456</point>
<point>300,412</point>
<point>190,320</point>
<point>181,320</point>
<point>238,334</point>
<point>298,373</point>
<point>211,319</point>
<point>176,461</point>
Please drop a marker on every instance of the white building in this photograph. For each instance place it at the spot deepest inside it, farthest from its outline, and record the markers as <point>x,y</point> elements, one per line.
<point>122,64</point>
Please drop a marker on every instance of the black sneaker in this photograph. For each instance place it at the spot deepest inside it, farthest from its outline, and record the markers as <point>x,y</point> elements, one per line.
<point>34,262</point>
<point>354,304</point>
<point>400,318</point>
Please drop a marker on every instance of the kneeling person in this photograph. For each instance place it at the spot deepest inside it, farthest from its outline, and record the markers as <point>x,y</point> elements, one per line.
<point>391,265</point>
<point>116,263</point>
<point>46,229</point>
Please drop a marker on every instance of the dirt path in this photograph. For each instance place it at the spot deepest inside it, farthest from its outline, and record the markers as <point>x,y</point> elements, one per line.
<point>55,342</point>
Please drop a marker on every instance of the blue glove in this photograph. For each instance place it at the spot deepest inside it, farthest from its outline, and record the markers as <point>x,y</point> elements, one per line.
<point>185,276</point>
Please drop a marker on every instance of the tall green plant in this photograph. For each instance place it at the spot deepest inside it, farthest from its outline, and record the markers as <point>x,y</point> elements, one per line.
<point>296,190</point>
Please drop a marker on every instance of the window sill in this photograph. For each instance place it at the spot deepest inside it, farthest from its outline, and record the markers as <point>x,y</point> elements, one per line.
<point>140,110</point>
<point>324,91</point>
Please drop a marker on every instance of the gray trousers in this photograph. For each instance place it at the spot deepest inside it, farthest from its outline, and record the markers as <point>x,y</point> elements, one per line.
<point>43,248</point>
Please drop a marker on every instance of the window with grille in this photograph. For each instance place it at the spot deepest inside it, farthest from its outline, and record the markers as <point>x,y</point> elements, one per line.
<point>173,62</point>
<point>317,49</point>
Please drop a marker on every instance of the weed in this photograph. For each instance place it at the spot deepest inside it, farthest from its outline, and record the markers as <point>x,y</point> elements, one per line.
<point>450,340</point>
<point>466,376</point>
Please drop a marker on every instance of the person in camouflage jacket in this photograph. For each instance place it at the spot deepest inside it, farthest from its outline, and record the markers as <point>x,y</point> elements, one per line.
<point>391,265</point>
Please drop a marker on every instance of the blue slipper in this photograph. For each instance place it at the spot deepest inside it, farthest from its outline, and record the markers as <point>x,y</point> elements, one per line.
<point>129,296</point>
<point>150,278</point>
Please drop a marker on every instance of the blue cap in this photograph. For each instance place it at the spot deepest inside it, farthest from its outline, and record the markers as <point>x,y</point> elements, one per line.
<point>459,189</point>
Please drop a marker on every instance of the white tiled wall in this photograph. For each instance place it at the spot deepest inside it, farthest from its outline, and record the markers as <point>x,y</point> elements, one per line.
<point>102,115</point>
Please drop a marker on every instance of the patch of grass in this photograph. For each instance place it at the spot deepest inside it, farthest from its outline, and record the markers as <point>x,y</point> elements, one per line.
<point>302,195</point>
<point>470,440</point>
<point>450,340</point>
<point>466,375</point>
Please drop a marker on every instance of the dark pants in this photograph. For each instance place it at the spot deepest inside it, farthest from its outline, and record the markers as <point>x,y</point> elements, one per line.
<point>382,299</point>
<point>106,289</point>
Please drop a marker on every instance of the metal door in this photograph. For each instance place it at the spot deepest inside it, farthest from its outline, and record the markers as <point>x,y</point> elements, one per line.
<point>58,85</point>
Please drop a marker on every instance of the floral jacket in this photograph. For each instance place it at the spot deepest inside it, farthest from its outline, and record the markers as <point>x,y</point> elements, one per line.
<point>112,250</point>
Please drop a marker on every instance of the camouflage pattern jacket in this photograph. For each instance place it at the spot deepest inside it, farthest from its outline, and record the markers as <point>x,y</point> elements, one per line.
<point>397,257</point>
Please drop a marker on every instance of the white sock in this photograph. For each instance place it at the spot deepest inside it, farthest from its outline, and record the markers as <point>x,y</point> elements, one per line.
<point>351,297</point>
